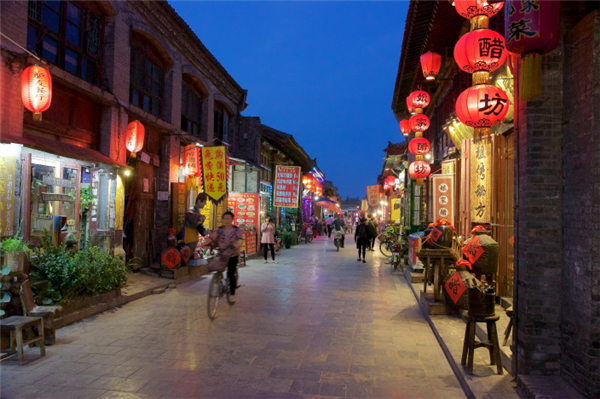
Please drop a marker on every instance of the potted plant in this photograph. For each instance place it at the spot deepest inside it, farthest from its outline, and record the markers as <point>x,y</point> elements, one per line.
<point>287,238</point>
<point>14,251</point>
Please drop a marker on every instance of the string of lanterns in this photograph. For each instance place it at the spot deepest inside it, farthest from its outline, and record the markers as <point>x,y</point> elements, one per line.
<point>311,184</point>
<point>419,122</point>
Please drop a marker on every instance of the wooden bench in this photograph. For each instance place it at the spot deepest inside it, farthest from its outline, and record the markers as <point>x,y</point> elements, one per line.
<point>32,310</point>
<point>16,325</point>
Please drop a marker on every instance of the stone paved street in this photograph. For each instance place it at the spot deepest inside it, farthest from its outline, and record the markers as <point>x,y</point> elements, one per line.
<point>318,324</point>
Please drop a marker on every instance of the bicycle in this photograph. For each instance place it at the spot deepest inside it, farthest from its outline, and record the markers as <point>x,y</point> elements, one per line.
<point>337,239</point>
<point>219,286</point>
<point>385,246</point>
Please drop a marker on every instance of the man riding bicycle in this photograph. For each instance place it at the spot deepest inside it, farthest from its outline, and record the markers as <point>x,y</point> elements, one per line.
<point>339,225</point>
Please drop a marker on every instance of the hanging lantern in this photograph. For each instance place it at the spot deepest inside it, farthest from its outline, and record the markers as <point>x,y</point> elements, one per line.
<point>419,170</point>
<point>419,99</point>
<point>478,11</point>
<point>36,90</point>
<point>419,146</point>
<point>480,52</point>
<point>405,127</point>
<point>531,29</point>
<point>134,138</point>
<point>191,160</point>
<point>430,64</point>
<point>419,122</point>
<point>389,183</point>
<point>409,106</point>
<point>481,107</point>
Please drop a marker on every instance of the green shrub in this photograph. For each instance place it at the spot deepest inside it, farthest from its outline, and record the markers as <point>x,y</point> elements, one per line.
<point>287,238</point>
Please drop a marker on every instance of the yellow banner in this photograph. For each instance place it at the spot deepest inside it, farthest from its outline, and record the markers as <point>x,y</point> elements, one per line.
<point>7,195</point>
<point>364,205</point>
<point>481,182</point>
<point>396,202</point>
<point>214,172</point>
<point>119,204</point>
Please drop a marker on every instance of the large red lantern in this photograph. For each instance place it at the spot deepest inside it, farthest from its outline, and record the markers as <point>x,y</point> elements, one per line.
<point>419,99</point>
<point>36,90</point>
<point>430,64</point>
<point>191,160</point>
<point>419,146</point>
<point>134,138</point>
<point>389,183</point>
<point>419,122</point>
<point>474,8</point>
<point>409,106</point>
<point>531,29</point>
<point>405,127</point>
<point>419,170</point>
<point>480,50</point>
<point>482,106</point>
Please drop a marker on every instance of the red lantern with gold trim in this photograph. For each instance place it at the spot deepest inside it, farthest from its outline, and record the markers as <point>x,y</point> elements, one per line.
<point>134,138</point>
<point>405,127</point>
<point>419,122</point>
<point>419,169</point>
<point>480,50</point>
<point>474,8</point>
<point>419,146</point>
<point>419,99</point>
<point>430,64</point>
<point>36,90</point>
<point>481,107</point>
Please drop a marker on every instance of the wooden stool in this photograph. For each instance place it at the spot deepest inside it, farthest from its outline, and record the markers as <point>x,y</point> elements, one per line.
<point>470,344</point>
<point>509,313</point>
<point>16,325</point>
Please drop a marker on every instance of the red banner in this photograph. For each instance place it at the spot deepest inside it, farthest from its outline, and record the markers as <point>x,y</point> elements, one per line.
<point>245,208</point>
<point>373,195</point>
<point>287,182</point>
<point>250,242</point>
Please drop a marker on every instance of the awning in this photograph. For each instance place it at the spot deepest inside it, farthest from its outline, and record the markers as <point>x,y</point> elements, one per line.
<point>328,204</point>
<point>62,149</point>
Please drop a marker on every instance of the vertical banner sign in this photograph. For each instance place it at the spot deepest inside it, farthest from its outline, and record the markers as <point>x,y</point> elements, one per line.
<point>287,182</point>
<point>443,197</point>
<point>7,195</point>
<point>396,204</point>
<point>449,167</point>
<point>373,195</point>
<point>481,182</point>
<point>364,205</point>
<point>178,205</point>
<point>214,172</point>
<point>191,160</point>
<point>245,208</point>
<point>119,204</point>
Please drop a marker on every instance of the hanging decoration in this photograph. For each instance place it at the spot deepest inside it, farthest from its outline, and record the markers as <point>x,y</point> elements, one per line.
<point>481,107</point>
<point>419,99</point>
<point>430,64</point>
<point>389,183</point>
<point>480,52</point>
<point>405,127</point>
<point>191,160</point>
<point>318,189</point>
<point>531,29</point>
<point>419,122</point>
<point>419,146</point>
<point>411,108</point>
<point>477,11</point>
<point>36,90</point>
<point>134,138</point>
<point>214,173</point>
<point>419,169</point>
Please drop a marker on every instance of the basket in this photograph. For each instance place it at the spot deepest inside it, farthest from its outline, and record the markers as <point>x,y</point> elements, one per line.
<point>218,263</point>
<point>382,237</point>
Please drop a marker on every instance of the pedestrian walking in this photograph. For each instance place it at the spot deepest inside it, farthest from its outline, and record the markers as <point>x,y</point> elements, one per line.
<point>372,229</point>
<point>329,221</point>
<point>361,238</point>
<point>320,227</point>
<point>268,238</point>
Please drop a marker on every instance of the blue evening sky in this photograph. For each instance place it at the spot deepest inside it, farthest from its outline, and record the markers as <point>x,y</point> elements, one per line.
<point>321,71</point>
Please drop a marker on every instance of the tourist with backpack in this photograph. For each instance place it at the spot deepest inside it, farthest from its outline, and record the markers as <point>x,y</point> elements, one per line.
<point>361,237</point>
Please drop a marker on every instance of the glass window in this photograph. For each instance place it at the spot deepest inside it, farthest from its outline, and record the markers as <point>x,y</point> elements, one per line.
<point>42,211</point>
<point>32,38</point>
<point>50,50</point>
<point>69,186</point>
<point>51,16</point>
<point>146,83</point>
<point>71,61</point>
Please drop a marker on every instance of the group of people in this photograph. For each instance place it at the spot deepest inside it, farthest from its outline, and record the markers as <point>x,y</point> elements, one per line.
<point>364,236</point>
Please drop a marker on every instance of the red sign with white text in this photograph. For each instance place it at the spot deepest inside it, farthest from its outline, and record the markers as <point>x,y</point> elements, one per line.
<point>373,195</point>
<point>287,182</point>
<point>245,208</point>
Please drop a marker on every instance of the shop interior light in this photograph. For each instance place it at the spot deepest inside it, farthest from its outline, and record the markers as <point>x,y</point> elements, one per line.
<point>427,156</point>
<point>127,172</point>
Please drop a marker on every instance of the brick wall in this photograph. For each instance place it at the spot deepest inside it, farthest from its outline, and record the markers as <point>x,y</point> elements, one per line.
<point>580,330</point>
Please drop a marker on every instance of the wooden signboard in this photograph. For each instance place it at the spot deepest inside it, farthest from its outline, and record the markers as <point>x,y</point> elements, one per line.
<point>443,197</point>
<point>481,182</point>
<point>178,205</point>
<point>7,195</point>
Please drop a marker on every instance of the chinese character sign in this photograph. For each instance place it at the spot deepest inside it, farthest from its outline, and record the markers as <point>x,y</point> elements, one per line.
<point>481,182</point>
<point>373,195</point>
<point>245,208</point>
<point>443,197</point>
<point>191,160</point>
<point>214,172</point>
<point>287,182</point>
<point>364,205</point>
<point>396,205</point>
<point>7,195</point>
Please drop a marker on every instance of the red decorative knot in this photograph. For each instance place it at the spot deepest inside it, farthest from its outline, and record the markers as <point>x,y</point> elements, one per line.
<point>134,138</point>
<point>477,228</point>
<point>419,122</point>
<point>419,169</point>
<point>430,64</point>
<point>482,106</point>
<point>419,146</point>
<point>480,50</point>
<point>419,99</point>
<point>405,127</point>
<point>473,8</point>
<point>464,263</point>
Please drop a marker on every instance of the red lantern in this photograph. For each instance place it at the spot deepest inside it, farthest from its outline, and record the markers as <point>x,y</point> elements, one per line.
<point>480,50</point>
<point>134,139</point>
<point>419,99</point>
<point>419,122</point>
<point>419,146</point>
<point>482,106</point>
<point>474,8</point>
<point>430,64</point>
<point>36,90</point>
<point>531,29</point>
<point>419,169</point>
<point>405,127</point>
<point>191,160</point>
<point>389,183</point>
<point>409,106</point>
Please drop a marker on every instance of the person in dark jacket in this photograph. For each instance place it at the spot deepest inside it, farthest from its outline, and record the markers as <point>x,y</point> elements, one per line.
<point>361,237</point>
<point>372,229</point>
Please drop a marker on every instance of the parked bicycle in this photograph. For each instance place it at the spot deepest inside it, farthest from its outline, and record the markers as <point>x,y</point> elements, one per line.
<point>219,284</point>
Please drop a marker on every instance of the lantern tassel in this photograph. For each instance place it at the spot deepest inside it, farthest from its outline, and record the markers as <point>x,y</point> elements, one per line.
<point>531,77</point>
<point>37,116</point>
<point>420,181</point>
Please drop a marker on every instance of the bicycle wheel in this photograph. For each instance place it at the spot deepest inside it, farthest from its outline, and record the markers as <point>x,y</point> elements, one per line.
<point>214,291</point>
<point>385,248</point>
<point>337,244</point>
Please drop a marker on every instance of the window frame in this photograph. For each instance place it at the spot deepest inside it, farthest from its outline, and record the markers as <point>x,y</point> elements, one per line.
<point>188,90</point>
<point>142,79</point>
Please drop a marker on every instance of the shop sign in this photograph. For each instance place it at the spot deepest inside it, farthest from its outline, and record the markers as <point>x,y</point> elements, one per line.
<point>249,243</point>
<point>481,182</point>
<point>449,167</point>
<point>191,160</point>
<point>7,195</point>
<point>214,172</point>
<point>144,157</point>
<point>364,205</point>
<point>287,183</point>
<point>373,195</point>
<point>120,204</point>
<point>55,181</point>
<point>443,197</point>
<point>171,258</point>
<point>245,208</point>
<point>396,204</point>
<point>57,197</point>
<point>455,287</point>
<point>178,205</point>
